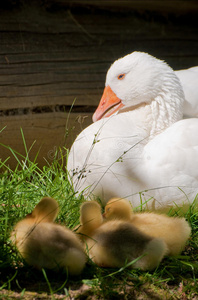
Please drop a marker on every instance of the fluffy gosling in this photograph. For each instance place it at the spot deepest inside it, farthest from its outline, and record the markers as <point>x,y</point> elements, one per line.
<point>174,231</point>
<point>115,243</point>
<point>44,244</point>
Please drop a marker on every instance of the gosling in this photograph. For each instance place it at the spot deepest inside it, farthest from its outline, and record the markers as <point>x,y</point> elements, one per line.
<point>44,244</point>
<point>174,231</point>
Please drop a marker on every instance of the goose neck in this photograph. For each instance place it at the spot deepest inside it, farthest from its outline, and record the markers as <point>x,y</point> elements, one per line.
<point>167,108</point>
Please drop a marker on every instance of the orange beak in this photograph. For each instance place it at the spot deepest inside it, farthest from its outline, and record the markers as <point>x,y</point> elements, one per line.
<point>108,105</point>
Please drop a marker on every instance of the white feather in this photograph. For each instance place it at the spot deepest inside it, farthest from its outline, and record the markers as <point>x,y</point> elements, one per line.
<point>147,154</point>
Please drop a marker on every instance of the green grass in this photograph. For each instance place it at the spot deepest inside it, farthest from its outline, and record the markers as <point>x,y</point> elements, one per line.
<point>21,189</point>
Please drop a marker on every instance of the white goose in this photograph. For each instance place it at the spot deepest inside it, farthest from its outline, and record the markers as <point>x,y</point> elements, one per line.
<point>189,81</point>
<point>147,153</point>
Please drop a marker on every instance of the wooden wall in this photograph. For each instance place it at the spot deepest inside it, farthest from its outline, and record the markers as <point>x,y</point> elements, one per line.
<point>54,54</point>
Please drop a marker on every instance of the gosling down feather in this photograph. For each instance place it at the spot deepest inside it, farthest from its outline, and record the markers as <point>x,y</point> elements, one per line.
<point>175,231</point>
<point>116,243</point>
<point>44,244</point>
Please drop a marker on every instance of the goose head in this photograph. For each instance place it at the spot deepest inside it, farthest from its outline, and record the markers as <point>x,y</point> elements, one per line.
<point>139,79</point>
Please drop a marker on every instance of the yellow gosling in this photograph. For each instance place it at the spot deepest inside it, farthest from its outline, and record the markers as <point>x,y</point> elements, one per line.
<point>116,243</point>
<point>44,244</point>
<point>174,231</point>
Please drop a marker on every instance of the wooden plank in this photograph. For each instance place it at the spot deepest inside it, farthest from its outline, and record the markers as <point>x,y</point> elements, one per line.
<point>150,5</point>
<point>65,55</point>
<point>46,132</point>
<point>86,101</point>
<point>181,6</point>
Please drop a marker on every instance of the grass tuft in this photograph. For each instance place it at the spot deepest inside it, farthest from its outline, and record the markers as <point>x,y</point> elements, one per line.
<point>21,189</point>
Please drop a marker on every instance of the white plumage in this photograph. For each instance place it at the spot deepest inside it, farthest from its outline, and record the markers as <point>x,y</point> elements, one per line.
<point>146,152</point>
<point>189,81</point>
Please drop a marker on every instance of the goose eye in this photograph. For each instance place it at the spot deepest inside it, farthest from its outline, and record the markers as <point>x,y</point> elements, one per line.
<point>121,76</point>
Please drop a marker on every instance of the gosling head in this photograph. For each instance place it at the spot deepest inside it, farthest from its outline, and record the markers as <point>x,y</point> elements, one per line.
<point>45,211</point>
<point>118,208</point>
<point>90,214</point>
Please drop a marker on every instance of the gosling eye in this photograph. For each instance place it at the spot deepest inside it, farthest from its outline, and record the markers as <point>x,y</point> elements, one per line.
<point>121,76</point>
